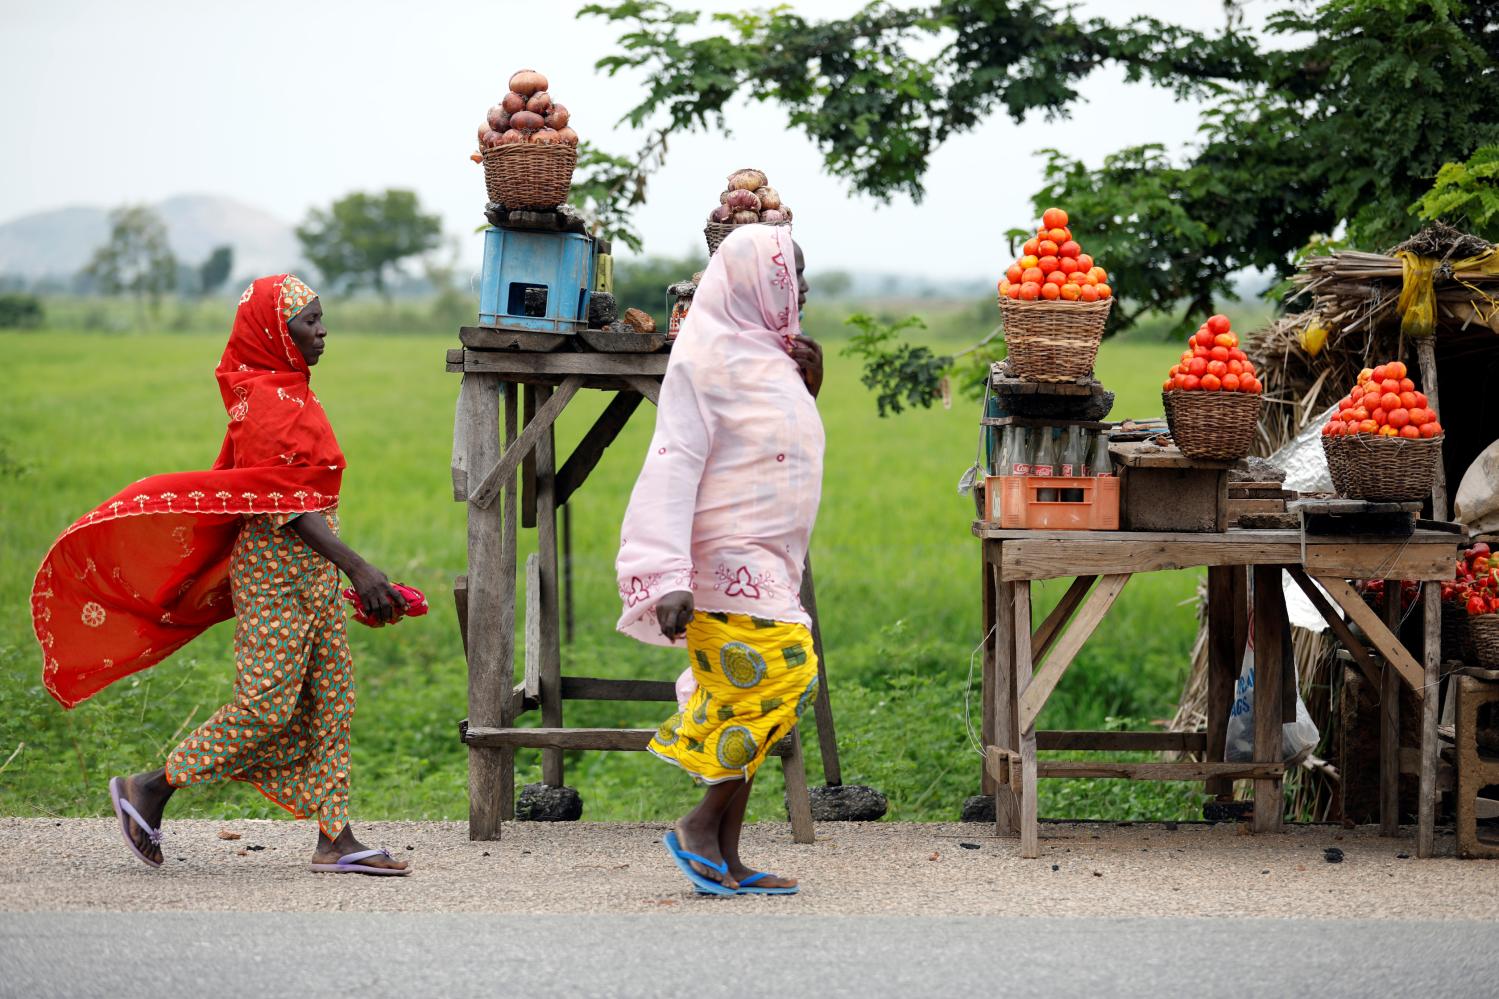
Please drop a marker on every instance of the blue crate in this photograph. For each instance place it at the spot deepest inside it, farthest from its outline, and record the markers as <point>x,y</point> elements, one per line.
<point>558,266</point>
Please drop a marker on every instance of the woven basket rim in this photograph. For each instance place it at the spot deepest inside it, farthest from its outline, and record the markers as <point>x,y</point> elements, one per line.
<point>532,147</point>
<point>1103,305</point>
<point>1220,394</point>
<point>1376,440</point>
<point>715,226</point>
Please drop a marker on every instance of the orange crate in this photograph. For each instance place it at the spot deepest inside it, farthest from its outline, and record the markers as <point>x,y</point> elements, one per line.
<point>1013,504</point>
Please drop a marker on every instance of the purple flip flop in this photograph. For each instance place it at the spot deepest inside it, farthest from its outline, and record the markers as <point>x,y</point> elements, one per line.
<point>127,814</point>
<point>349,864</point>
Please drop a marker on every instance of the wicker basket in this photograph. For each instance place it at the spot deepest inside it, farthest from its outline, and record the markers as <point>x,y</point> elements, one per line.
<point>1217,426</point>
<point>1457,638</point>
<point>1388,469</point>
<point>525,176</point>
<point>1053,341</point>
<point>716,232</point>
<point>1484,633</point>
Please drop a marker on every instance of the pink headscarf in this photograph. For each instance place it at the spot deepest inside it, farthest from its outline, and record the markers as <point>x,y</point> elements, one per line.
<point>726,500</point>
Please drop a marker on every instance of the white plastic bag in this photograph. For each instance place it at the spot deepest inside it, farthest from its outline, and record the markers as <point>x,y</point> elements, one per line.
<point>1297,737</point>
<point>686,687</point>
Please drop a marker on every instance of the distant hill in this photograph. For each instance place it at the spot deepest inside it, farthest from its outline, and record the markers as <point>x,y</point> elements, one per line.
<point>60,242</point>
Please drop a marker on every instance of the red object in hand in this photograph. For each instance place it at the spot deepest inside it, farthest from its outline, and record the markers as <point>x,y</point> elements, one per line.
<point>416,605</point>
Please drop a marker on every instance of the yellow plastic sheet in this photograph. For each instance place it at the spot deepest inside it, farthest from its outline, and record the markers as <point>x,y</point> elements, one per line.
<point>1314,337</point>
<point>1418,297</point>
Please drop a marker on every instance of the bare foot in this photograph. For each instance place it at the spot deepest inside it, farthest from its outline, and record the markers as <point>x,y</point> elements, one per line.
<point>329,850</point>
<point>148,793</point>
<point>739,873</point>
<point>695,838</point>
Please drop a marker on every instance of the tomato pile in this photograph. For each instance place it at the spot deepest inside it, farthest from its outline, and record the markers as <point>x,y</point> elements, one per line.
<point>1476,588</point>
<point>1385,403</point>
<point>1213,362</point>
<point>1373,592</point>
<point>1053,267</point>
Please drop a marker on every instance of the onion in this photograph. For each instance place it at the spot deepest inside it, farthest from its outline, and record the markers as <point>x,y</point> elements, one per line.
<point>558,116</point>
<point>476,157</point>
<point>720,215</point>
<point>786,211</point>
<point>498,118</point>
<point>527,121</point>
<point>743,201</point>
<point>512,136</point>
<point>492,138</point>
<point>723,197</point>
<point>567,137</point>
<point>541,102</point>
<point>769,198</point>
<point>527,82</point>
<point>746,217</point>
<point>512,102</point>
<point>772,215</point>
<point>545,137</point>
<point>483,129</point>
<point>747,180</point>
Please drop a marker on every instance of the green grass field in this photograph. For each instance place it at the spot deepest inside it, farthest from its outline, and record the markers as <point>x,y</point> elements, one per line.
<point>897,574</point>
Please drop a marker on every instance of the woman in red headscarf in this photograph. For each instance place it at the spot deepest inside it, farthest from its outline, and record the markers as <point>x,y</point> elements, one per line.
<point>254,538</point>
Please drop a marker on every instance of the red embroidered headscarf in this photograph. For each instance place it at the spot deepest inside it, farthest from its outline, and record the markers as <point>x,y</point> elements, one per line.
<point>148,570</point>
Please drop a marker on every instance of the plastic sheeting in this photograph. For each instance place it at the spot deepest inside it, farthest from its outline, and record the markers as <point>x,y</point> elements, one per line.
<point>1302,459</point>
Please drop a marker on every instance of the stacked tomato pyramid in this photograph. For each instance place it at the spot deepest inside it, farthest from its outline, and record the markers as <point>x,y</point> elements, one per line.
<point>1053,267</point>
<point>1213,362</point>
<point>1384,403</point>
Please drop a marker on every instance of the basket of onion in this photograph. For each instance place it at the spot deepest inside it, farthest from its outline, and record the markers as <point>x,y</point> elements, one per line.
<point>748,200</point>
<point>529,150</point>
<point>1054,303</point>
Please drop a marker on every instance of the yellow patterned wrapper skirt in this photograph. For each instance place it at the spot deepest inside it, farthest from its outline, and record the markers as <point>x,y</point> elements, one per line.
<point>754,679</point>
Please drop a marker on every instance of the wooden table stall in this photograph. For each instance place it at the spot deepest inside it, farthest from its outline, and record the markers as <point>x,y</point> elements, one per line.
<point>1023,663</point>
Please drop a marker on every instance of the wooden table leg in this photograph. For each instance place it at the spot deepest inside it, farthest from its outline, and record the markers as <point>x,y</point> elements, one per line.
<point>1006,707</point>
<point>510,512</point>
<point>545,471</point>
<point>1426,809</point>
<point>822,701</point>
<point>987,676</point>
<point>1029,834</point>
<point>1389,724</point>
<point>1223,671</point>
<point>1270,624</point>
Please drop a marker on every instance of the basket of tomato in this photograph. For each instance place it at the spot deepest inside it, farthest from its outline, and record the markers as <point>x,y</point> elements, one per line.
<point>1384,441</point>
<point>1054,302</point>
<point>1212,397</point>
<point>1474,595</point>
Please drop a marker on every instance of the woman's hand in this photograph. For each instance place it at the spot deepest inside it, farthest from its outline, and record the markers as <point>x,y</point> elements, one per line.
<point>673,611</point>
<point>380,600</point>
<point>807,353</point>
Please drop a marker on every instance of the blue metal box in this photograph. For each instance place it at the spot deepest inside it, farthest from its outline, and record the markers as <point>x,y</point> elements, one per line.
<point>537,281</point>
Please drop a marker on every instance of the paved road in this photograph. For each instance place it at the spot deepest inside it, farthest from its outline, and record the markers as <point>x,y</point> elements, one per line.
<point>228,954</point>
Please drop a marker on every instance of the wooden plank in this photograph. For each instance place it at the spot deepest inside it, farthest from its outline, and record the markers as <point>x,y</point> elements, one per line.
<point>509,536</point>
<point>1426,356</point>
<point>528,460</point>
<point>822,703</point>
<point>1384,640</point>
<point>551,618</point>
<point>625,740</point>
<point>595,442</point>
<point>1021,610</point>
<point>798,797</point>
<point>1147,454</point>
<point>1071,643</point>
<point>988,676</point>
<point>493,338</point>
<point>1006,705</point>
<point>1051,627</point>
<point>1270,626</point>
<point>1077,555</point>
<point>1389,725</point>
<point>488,656</point>
<point>535,429</point>
<point>1432,660</point>
<point>647,386</point>
<point>1345,635</point>
<point>565,363</point>
<point>1223,671</point>
<point>1122,742</point>
<point>623,343</point>
<point>531,668</point>
<point>1161,771</point>
<point>582,688</point>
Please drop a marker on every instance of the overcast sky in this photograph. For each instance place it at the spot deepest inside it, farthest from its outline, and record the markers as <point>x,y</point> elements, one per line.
<point>288,105</point>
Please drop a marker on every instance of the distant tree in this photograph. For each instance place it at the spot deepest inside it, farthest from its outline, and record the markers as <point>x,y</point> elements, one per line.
<point>362,238</point>
<point>20,311</point>
<point>214,271</point>
<point>641,282</point>
<point>831,284</point>
<point>136,259</point>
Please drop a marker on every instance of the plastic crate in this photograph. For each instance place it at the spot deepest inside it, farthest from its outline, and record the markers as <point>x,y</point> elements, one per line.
<point>536,281</point>
<point>1013,503</point>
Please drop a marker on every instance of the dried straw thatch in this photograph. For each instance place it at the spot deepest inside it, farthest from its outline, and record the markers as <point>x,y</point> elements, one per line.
<point>1307,360</point>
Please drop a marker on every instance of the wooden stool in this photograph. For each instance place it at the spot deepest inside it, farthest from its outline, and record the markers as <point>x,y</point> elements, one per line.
<point>1474,771</point>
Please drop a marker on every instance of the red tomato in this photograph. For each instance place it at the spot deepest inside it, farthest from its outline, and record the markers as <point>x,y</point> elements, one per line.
<point>1408,400</point>
<point>1217,368</point>
<point>1087,293</point>
<point>1231,384</point>
<point>1218,324</point>
<point>1056,277</point>
<point>1381,417</point>
<point>1084,262</point>
<point>1030,290</point>
<point>1067,265</point>
<point>1406,385</point>
<point>1430,428</point>
<point>1051,291</point>
<point>1419,417</point>
<point>1058,235</point>
<point>1398,418</point>
<point>1390,400</point>
<point>1221,354</point>
<point>1203,337</point>
<point>1015,290</point>
<point>1047,263</point>
<point>1071,292</point>
<point>1104,291</point>
<point>1390,386</point>
<point>1380,373</point>
<point>1235,367</point>
<point>1411,433</point>
<point>1069,249</point>
<point>1047,248</point>
<point>1198,366</point>
<point>1015,273</point>
<point>1191,383</point>
<point>1033,274</point>
<point>1225,339</point>
<point>1030,246</point>
<point>1211,383</point>
<point>1054,218</point>
<point>1396,369</point>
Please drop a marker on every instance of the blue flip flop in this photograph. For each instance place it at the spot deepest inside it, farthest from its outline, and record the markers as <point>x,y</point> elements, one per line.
<point>746,887</point>
<point>704,886</point>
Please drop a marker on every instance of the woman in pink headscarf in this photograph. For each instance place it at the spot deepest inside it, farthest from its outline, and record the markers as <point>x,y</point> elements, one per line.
<point>713,542</point>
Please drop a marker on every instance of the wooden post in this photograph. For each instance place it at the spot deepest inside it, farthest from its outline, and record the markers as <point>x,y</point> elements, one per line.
<point>1006,709</point>
<point>1389,724</point>
<point>528,461</point>
<point>1223,672</point>
<point>1269,626</point>
<point>545,472</point>
<point>567,573</point>
<point>505,618</point>
<point>1030,847</point>
<point>822,702</point>
<point>987,674</point>
<point>1426,355</point>
<point>798,797</point>
<point>488,682</point>
<point>1431,602</point>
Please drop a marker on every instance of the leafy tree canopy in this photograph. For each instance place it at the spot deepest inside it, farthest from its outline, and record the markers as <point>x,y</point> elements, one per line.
<point>136,258</point>
<point>214,270</point>
<point>362,238</point>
